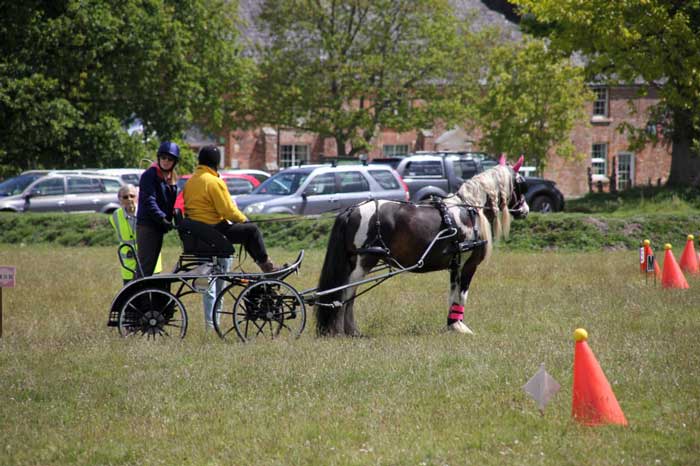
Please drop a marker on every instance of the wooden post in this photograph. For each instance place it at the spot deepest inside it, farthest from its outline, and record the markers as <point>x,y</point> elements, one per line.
<point>0,312</point>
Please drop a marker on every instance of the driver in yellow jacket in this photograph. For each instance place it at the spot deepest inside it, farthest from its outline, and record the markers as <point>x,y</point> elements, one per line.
<point>207,200</point>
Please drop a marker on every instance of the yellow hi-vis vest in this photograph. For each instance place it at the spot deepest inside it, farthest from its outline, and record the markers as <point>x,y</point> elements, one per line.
<point>125,226</point>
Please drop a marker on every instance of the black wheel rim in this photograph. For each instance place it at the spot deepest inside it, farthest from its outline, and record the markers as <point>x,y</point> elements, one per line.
<point>153,313</point>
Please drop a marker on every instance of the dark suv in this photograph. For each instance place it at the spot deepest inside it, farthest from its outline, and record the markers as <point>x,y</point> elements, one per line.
<point>442,173</point>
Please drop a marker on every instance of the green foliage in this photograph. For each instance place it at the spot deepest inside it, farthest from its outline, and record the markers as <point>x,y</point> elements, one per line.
<point>655,40</point>
<point>343,69</point>
<point>75,74</point>
<point>530,102</point>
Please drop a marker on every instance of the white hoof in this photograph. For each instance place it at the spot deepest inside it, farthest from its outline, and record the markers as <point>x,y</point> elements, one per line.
<point>460,327</point>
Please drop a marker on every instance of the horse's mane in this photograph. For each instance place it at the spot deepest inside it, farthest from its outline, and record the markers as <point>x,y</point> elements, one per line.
<point>489,192</point>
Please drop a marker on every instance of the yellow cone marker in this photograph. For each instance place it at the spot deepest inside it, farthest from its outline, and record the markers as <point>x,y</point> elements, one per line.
<point>580,334</point>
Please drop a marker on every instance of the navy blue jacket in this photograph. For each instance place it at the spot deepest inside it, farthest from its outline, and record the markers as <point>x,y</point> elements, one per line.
<point>156,200</point>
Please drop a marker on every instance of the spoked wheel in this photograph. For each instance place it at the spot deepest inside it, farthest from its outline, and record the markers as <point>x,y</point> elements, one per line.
<point>269,309</point>
<point>153,313</point>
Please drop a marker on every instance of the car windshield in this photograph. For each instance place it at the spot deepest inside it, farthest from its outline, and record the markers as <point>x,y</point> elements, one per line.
<point>17,184</point>
<point>282,183</point>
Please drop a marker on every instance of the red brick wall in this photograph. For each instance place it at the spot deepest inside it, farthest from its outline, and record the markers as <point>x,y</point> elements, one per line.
<point>651,163</point>
<point>258,148</point>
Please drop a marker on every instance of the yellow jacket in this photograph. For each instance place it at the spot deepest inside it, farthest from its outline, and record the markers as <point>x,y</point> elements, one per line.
<point>207,199</point>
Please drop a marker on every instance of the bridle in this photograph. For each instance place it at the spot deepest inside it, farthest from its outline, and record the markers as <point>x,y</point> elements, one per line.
<point>517,196</point>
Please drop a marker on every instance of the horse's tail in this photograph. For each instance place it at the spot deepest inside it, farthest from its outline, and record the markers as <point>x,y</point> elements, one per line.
<point>335,272</point>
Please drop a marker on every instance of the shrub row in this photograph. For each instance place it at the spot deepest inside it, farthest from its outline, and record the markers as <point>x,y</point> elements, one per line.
<point>562,231</point>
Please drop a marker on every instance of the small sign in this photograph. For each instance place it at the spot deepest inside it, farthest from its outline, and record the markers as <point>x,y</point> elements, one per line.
<point>641,255</point>
<point>7,277</point>
<point>650,264</point>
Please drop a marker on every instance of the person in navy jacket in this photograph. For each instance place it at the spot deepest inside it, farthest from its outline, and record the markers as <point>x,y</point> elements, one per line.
<point>157,193</point>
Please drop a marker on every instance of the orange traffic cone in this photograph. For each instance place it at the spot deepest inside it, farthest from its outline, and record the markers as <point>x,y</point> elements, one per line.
<point>689,259</point>
<point>650,252</point>
<point>594,402</point>
<point>672,276</point>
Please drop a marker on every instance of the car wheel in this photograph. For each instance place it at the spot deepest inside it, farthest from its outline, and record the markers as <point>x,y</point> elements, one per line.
<point>543,204</point>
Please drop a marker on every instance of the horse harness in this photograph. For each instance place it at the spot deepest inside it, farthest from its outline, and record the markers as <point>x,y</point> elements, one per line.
<point>378,246</point>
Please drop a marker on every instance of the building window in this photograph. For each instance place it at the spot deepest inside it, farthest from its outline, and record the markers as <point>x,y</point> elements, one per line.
<point>291,155</point>
<point>600,104</point>
<point>392,150</point>
<point>599,158</point>
<point>625,171</point>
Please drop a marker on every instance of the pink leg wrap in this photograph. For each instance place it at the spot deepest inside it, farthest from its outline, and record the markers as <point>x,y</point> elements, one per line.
<point>456,312</point>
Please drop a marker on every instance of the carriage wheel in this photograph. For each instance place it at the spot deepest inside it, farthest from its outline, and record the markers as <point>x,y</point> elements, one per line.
<point>153,313</point>
<point>269,309</point>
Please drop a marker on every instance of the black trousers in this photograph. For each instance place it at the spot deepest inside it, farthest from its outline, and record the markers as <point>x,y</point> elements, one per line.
<point>149,241</point>
<point>247,234</point>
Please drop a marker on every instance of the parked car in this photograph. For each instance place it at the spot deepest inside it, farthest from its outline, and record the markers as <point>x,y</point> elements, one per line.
<point>127,175</point>
<point>66,193</point>
<point>257,174</point>
<point>17,184</point>
<point>314,189</point>
<point>237,184</point>
<point>442,173</point>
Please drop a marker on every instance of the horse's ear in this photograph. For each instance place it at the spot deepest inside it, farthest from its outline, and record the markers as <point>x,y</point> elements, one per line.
<point>519,163</point>
<point>502,159</point>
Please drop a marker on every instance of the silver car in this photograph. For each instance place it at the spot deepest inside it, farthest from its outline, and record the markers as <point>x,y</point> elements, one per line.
<point>315,189</point>
<point>66,193</point>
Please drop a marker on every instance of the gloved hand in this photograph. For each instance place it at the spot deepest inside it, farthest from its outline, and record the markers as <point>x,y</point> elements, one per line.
<point>166,224</point>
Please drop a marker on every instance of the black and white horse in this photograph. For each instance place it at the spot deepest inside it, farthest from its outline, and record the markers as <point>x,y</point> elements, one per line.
<point>399,233</point>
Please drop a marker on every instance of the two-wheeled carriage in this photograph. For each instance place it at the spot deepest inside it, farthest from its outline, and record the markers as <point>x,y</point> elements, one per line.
<point>252,304</point>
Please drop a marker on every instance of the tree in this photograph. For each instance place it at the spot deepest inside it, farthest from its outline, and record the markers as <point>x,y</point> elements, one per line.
<point>655,40</point>
<point>75,74</point>
<point>343,69</point>
<point>531,101</point>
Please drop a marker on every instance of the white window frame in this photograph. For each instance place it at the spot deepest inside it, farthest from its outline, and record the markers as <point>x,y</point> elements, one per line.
<point>630,173</point>
<point>392,150</point>
<point>294,154</point>
<point>601,102</point>
<point>599,157</point>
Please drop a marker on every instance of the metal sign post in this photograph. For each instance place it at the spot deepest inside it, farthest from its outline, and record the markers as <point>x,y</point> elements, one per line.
<point>7,280</point>
<point>650,267</point>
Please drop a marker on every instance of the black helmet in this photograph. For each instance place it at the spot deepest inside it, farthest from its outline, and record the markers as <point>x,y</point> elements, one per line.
<point>210,156</point>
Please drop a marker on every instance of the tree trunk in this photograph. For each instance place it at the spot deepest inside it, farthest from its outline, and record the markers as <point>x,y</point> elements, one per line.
<point>685,165</point>
<point>340,144</point>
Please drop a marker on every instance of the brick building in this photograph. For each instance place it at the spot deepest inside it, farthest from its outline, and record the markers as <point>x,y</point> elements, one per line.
<point>605,148</point>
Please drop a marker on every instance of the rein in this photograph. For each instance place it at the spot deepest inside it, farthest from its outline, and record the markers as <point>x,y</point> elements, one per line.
<point>292,218</point>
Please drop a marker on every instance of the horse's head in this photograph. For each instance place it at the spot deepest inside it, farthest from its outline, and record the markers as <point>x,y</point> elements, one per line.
<point>517,205</point>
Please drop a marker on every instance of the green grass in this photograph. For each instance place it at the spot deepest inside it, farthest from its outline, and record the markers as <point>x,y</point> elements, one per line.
<point>73,392</point>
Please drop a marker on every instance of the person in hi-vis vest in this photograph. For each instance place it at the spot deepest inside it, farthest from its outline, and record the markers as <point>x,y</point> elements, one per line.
<point>124,222</point>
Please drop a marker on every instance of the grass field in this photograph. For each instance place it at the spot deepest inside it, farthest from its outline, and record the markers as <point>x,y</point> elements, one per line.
<point>74,392</point>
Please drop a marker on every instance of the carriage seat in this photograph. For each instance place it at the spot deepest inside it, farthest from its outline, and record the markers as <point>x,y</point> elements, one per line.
<point>200,239</point>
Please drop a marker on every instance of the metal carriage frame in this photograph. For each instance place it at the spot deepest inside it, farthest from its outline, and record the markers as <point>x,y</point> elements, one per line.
<point>252,304</point>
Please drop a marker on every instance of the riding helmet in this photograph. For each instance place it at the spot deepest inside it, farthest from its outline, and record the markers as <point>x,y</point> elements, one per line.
<point>169,148</point>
